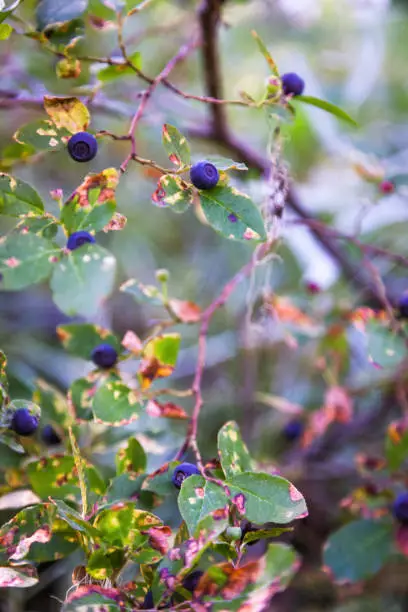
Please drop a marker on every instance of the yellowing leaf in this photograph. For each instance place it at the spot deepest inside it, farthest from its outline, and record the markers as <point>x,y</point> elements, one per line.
<point>69,113</point>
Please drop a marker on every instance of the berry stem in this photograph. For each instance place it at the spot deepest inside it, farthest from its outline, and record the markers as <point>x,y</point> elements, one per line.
<point>81,474</point>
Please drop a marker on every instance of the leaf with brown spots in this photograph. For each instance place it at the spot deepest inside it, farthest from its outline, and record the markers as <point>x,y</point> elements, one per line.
<point>159,358</point>
<point>167,410</point>
<point>92,205</point>
<point>131,458</point>
<point>226,581</point>
<point>95,598</point>
<point>69,113</point>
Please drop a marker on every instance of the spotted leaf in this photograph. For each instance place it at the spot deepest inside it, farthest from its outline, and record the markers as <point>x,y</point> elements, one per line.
<point>232,213</point>
<point>42,135</point>
<point>115,403</point>
<point>232,450</point>
<point>174,193</point>
<point>25,259</point>
<point>18,198</point>
<point>131,458</point>
<point>175,145</point>
<point>159,358</point>
<point>263,498</point>
<point>93,203</point>
<point>22,576</point>
<point>68,113</point>
<point>199,498</point>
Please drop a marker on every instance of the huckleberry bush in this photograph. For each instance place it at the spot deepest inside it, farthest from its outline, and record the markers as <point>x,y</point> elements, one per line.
<point>149,528</point>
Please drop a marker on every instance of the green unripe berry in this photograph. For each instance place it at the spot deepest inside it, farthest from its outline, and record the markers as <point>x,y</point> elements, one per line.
<point>162,275</point>
<point>233,534</point>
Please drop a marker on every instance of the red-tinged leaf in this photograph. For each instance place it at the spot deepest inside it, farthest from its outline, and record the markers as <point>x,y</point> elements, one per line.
<point>132,342</point>
<point>93,594</point>
<point>117,223</point>
<point>226,581</point>
<point>338,405</point>
<point>174,193</point>
<point>23,576</point>
<point>187,312</point>
<point>286,312</point>
<point>159,538</point>
<point>402,539</point>
<point>150,369</point>
<point>159,358</point>
<point>361,316</point>
<point>167,410</point>
<point>42,536</point>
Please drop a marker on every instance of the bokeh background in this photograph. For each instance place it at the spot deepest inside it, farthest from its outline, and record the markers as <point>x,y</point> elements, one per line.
<point>351,52</point>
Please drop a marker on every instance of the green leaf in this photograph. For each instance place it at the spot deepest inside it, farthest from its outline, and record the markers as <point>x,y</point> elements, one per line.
<point>232,214</point>
<point>263,498</point>
<point>160,481</point>
<point>396,450</point>
<point>131,458</point>
<point>83,279</point>
<point>42,135</point>
<point>127,486</point>
<point>232,450</point>
<point>115,403</point>
<point>385,348</point>
<point>176,145</point>
<point>281,564</point>
<point>5,30</point>
<point>50,12</point>
<point>80,339</point>
<point>74,519</point>
<point>92,205</point>
<point>80,397</point>
<point>45,226</point>
<point>326,106</point>
<point>121,524</point>
<point>25,259</point>
<point>110,73</point>
<point>164,348</point>
<point>18,198</point>
<point>67,113</point>
<point>199,498</point>
<point>174,193</point>
<point>263,49</point>
<point>225,164</point>
<point>264,534</point>
<point>359,549</point>
<point>6,12</point>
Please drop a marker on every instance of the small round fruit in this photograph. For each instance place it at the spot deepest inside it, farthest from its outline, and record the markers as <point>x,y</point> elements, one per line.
<point>293,430</point>
<point>77,239</point>
<point>204,175</point>
<point>292,84</point>
<point>386,187</point>
<point>400,508</point>
<point>104,356</point>
<point>82,147</point>
<point>183,471</point>
<point>23,422</point>
<point>50,436</point>
<point>403,306</point>
<point>191,581</point>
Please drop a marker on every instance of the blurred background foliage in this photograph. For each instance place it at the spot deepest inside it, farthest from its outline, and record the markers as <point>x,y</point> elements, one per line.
<point>351,52</point>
